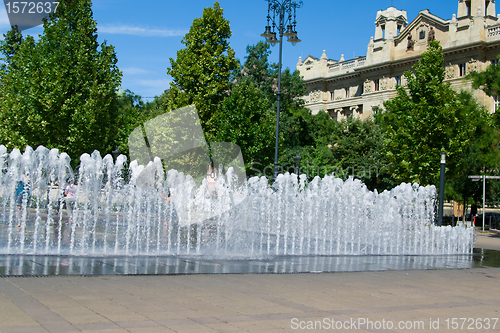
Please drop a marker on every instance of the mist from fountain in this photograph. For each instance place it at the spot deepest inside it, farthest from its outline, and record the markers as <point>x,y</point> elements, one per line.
<point>114,216</point>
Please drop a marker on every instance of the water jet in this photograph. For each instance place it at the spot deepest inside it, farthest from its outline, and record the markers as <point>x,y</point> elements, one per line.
<point>115,217</point>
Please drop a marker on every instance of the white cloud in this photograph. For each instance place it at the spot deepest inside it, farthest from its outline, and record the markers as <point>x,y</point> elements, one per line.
<point>134,71</point>
<point>154,83</point>
<point>146,87</point>
<point>140,31</point>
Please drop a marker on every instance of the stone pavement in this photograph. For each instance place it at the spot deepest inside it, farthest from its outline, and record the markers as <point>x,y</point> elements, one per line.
<point>399,301</point>
<point>489,241</point>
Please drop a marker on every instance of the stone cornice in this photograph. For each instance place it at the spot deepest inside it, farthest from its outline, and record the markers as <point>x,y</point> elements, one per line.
<point>405,62</point>
<point>463,48</point>
<point>342,77</point>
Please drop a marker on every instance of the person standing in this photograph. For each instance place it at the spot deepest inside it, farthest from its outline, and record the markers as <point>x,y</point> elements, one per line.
<point>22,193</point>
<point>70,195</point>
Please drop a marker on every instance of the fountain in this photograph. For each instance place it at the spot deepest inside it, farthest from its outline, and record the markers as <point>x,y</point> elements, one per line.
<point>113,216</point>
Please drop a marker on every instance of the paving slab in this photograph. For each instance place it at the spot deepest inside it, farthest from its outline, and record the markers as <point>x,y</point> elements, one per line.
<point>365,301</point>
<point>488,240</point>
<point>252,304</point>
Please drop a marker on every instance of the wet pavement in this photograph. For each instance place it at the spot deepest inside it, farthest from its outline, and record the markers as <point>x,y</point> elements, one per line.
<point>39,265</point>
<point>484,255</point>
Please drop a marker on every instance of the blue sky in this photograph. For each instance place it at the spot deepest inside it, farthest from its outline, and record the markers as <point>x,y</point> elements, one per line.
<point>147,33</point>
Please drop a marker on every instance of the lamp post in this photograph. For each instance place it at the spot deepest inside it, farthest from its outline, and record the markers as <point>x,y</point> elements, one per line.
<point>279,14</point>
<point>483,177</point>
<point>441,188</point>
<point>297,159</point>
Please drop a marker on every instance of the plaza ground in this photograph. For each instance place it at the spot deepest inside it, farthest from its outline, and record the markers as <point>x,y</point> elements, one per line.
<point>400,301</point>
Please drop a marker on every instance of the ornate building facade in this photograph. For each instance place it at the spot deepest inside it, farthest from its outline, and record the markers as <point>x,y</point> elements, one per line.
<point>358,87</point>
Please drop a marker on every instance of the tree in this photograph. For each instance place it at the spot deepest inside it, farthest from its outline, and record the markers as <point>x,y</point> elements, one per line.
<point>256,68</point>
<point>358,151</point>
<point>480,155</point>
<point>426,117</point>
<point>245,119</point>
<point>351,147</point>
<point>131,113</point>
<point>264,76</point>
<point>8,47</point>
<point>484,153</point>
<point>60,92</point>
<point>295,120</point>
<point>203,68</point>
<point>487,80</point>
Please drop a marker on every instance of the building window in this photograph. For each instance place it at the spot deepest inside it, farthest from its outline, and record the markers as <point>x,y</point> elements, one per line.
<point>398,81</point>
<point>347,113</point>
<point>333,114</point>
<point>346,92</point>
<point>332,95</point>
<point>494,62</point>
<point>377,84</point>
<point>461,70</point>
<point>422,34</point>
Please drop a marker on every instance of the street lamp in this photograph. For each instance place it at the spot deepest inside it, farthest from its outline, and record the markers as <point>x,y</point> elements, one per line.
<point>441,188</point>
<point>297,159</point>
<point>279,14</point>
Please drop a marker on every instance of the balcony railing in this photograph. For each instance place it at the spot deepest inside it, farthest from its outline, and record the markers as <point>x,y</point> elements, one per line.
<point>345,66</point>
<point>493,33</point>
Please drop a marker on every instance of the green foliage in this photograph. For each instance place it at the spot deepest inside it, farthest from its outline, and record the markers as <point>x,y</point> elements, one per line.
<point>131,113</point>
<point>424,120</point>
<point>8,47</point>
<point>202,70</point>
<point>256,68</point>
<point>481,154</point>
<point>295,120</point>
<point>172,99</point>
<point>297,127</point>
<point>485,148</point>
<point>292,89</point>
<point>60,92</point>
<point>487,80</point>
<point>244,111</point>
<point>428,117</point>
<point>351,147</point>
<point>245,119</point>
<point>359,152</point>
<point>264,76</point>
